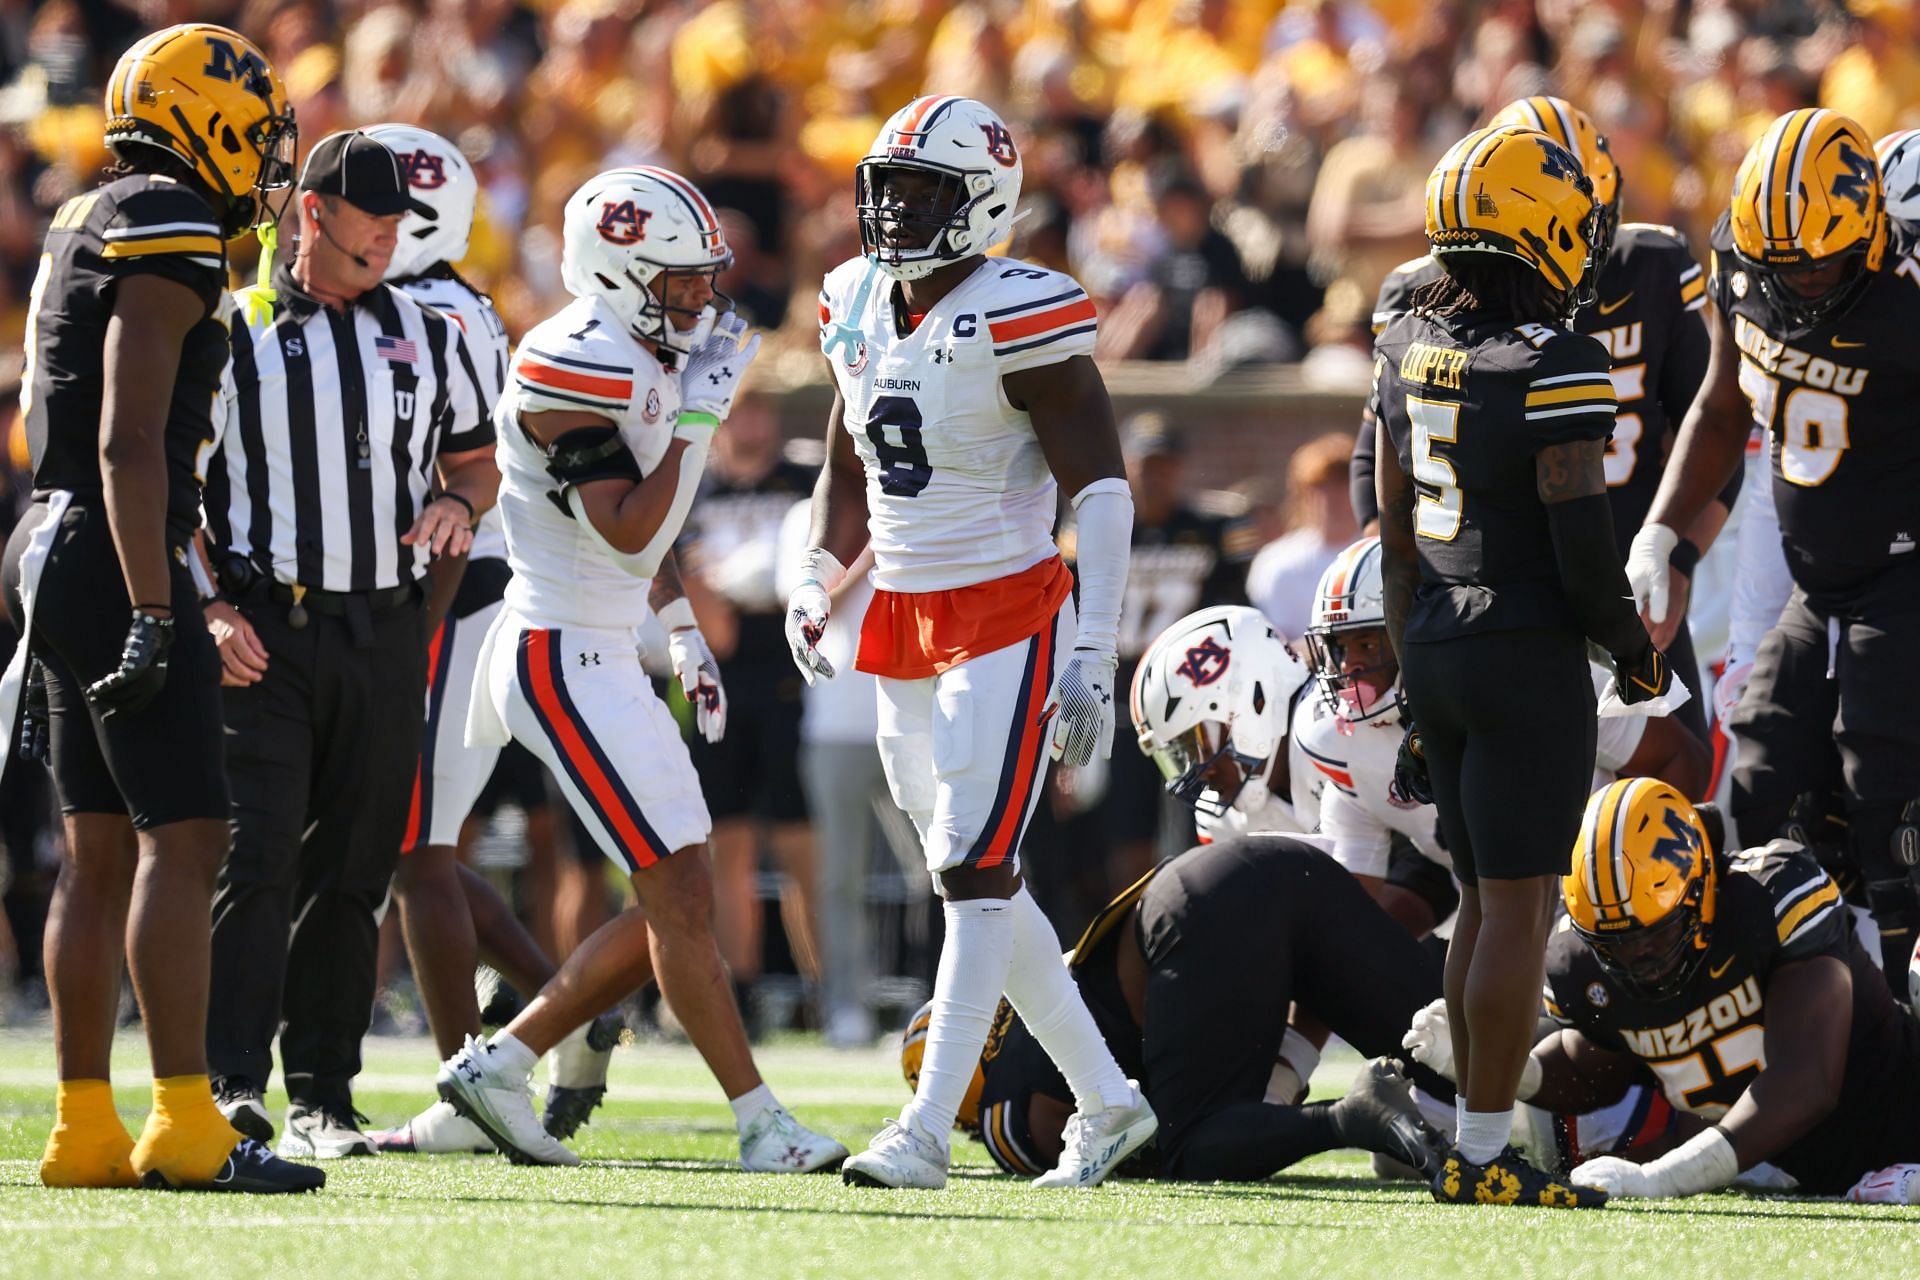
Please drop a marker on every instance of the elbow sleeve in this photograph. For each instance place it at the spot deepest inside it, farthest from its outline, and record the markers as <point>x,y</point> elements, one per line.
<point>1592,576</point>
<point>1104,510</point>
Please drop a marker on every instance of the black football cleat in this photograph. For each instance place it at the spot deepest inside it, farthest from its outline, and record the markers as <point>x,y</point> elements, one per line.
<point>568,1109</point>
<point>1378,1114</point>
<point>1507,1179</point>
<point>250,1169</point>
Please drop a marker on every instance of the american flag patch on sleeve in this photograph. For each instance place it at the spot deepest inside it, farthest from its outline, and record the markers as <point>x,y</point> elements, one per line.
<point>400,349</point>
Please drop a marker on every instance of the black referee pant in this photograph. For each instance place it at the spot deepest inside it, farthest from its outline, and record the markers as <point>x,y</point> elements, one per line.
<point>321,754</point>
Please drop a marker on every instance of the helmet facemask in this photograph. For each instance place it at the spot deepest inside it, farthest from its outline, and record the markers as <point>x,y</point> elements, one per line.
<point>1354,693</point>
<point>1798,314</point>
<point>910,241</point>
<point>1198,761</point>
<point>1656,961</point>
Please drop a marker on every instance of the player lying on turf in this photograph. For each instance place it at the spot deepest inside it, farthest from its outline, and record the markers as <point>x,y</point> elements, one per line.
<point>1738,981</point>
<point>1190,974</point>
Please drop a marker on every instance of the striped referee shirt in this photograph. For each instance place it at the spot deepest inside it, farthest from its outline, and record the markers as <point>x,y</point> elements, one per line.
<point>330,425</point>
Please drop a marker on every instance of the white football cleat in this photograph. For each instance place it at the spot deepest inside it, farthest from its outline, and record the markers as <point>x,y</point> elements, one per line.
<point>500,1101</point>
<point>439,1130</point>
<point>1095,1143</point>
<point>777,1143</point>
<point>898,1157</point>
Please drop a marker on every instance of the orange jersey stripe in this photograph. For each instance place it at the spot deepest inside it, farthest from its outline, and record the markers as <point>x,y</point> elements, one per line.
<point>539,660</point>
<point>1027,326</point>
<point>435,651</point>
<point>1340,776</point>
<point>567,380</point>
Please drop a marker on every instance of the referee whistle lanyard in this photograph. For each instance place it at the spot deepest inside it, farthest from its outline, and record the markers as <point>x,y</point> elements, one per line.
<point>260,299</point>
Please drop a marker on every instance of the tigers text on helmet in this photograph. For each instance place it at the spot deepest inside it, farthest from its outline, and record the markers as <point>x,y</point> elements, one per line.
<point>1215,689</point>
<point>1519,194</point>
<point>1642,885</point>
<point>206,96</point>
<point>969,154</point>
<point>627,228</point>
<point>1898,155</point>
<point>1573,129</point>
<point>1808,196</point>
<point>1347,643</point>
<point>439,177</point>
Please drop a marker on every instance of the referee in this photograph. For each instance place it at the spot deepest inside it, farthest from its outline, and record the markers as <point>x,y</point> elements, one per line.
<point>345,397</point>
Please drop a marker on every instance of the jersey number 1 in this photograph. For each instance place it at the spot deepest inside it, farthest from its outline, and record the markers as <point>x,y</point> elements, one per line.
<point>904,468</point>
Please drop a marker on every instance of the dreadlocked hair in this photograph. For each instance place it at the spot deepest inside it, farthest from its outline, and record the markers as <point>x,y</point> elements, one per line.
<point>1492,283</point>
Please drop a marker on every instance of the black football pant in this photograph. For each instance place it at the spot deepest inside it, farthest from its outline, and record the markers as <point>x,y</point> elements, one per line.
<point>1836,675</point>
<point>321,756</point>
<point>1234,933</point>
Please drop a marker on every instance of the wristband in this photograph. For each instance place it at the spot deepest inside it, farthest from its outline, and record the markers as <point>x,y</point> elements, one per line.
<point>1684,556</point>
<point>690,424</point>
<point>473,517</point>
<point>676,615</point>
<point>1704,1162</point>
<point>818,565</point>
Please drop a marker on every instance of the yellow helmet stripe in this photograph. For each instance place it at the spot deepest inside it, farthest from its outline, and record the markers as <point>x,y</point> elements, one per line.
<point>1763,174</point>
<point>1783,175</point>
<point>1569,137</point>
<point>1598,819</point>
<point>1448,168</point>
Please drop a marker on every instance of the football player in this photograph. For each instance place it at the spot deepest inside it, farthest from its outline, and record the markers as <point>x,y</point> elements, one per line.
<point>1500,563</point>
<point>1811,282</point>
<point>126,342</point>
<point>1190,974</point>
<point>610,409</point>
<point>966,398</point>
<point>1648,297</point>
<point>1737,979</point>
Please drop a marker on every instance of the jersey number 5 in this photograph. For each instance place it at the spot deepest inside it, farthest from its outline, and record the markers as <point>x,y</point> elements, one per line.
<point>1435,423</point>
<point>904,468</point>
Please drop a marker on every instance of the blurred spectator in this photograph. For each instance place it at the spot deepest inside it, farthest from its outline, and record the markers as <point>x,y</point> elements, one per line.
<point>1192,287</point>
<point>1284,575</point>
<point>1369,202</point>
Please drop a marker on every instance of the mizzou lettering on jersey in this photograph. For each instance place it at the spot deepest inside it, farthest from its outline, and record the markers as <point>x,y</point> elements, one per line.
<point>1795,365</point>
<point>1727,1011</point>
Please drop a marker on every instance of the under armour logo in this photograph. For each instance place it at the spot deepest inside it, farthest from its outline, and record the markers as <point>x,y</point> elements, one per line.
<point>725,371</point>
<point>589,659</point>
<point>942,355</point>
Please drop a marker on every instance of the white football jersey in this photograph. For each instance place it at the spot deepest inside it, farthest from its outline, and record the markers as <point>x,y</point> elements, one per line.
<point>1353,764</point>
<point>487,353</point>
<point>581,359</point>
<point>958,492</point>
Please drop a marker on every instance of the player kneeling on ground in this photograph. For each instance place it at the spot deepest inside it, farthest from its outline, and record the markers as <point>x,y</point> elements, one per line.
<point>1739,982</point>
<point>610,408</point>
<point>1190,974</point>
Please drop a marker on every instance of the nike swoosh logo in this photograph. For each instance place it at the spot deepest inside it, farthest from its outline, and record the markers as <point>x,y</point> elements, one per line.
<point>1608,308</point>
<point>1714,973</point>
<point>1838,343</point>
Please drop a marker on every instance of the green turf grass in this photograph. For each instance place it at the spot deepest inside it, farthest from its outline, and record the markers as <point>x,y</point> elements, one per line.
<point>660,1198</point>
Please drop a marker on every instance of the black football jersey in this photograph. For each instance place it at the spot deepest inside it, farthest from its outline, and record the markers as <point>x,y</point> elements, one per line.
<point>1190,561</point>
<point>1841,408</point>
<point>1468,401</point>
<point>1647,316</point>
<point>1707,1044</point>
<point>732,538</point>
<point>131,226</point>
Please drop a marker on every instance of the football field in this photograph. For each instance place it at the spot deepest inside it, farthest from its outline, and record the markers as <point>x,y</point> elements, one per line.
<point>660,1197</point>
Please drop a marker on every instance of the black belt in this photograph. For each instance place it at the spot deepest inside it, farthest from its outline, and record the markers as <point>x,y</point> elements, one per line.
<point>338,604</point>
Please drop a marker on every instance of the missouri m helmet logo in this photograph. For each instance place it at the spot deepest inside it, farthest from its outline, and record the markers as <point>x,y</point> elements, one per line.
<point>248,70</point>
<point>1855,182</point>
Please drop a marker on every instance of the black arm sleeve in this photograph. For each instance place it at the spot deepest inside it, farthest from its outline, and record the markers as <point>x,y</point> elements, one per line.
<point>591,453</point>
<point>1730,492</point>
<point>1366,506</point>
<point>1591,574</point>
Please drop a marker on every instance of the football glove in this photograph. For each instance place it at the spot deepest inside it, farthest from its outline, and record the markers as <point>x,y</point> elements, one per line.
<point>1704,1162</point>
<point>699,675</point>
<point>1430,1039</point>
<point>714,369</point>
<point>1410,784</point>
<point>142,670</point>
<point>807,611</point>
<point>1647,572</point>
<point>35,719</point>
<point>1083,698</point>
<point>1727,690</point>
<point>1644,677</point>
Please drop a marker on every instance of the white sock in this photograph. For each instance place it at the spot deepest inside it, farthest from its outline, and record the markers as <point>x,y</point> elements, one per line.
<point>748,1106</point>
<point>1482,1135</point>
<point>508,1052</point>
<point>1048,1000</point>
<point>966,992</point>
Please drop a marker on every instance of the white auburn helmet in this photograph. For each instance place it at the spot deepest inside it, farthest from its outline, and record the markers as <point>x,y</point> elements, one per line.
<point>627,226</point>
<point>967,146</point>
<point>1218,683</point>
<point>1351,597</point>
<point>1899,157</point>
<point>440,178</point>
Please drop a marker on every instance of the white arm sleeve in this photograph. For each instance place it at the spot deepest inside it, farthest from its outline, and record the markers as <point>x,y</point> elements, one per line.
<point>1104,513</point>
<point>645,562</point>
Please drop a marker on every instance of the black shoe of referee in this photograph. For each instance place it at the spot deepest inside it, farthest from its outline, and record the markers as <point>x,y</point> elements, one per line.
<point>250,1169</point>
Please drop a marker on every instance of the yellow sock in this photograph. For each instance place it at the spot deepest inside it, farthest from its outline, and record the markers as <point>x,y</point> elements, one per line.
<point>89,1146</point>
<point>186,1140</point>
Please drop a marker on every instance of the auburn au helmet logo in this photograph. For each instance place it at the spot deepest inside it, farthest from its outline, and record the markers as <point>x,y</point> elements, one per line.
<point>1000,143</point>
<point>621,222</point>
<point>1205,663</point>
<point>424,170</point>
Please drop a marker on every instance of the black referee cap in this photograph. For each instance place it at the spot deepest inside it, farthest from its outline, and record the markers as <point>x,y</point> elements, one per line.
<point>361,171</point>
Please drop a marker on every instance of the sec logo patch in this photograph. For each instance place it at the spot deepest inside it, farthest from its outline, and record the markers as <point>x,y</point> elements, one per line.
<point>1597,995</point>
<point>651,410</point>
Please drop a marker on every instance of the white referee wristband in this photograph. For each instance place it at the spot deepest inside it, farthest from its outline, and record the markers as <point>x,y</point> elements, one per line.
<point>817,564</point>
<point>1704,1162</point>
<point>677,615</point>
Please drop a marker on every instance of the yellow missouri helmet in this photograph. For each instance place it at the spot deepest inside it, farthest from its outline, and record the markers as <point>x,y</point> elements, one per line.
<point>1573,129</point>
<point>1642,885</point>
<point>1517,193</point>
<point>913,1051</point>
<point>209,97</point>
<point>1808,196</point>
